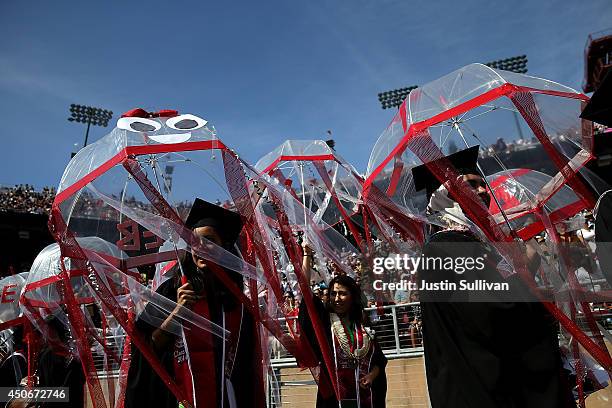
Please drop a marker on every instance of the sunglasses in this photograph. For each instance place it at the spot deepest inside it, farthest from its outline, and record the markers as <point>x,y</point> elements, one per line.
<point>475,184</point>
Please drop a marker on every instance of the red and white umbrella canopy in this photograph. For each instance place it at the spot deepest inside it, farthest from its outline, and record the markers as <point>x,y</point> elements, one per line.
<point>509,116</point>
<point>516,121</point>
<point>316,175</point>
<point>521,192</point>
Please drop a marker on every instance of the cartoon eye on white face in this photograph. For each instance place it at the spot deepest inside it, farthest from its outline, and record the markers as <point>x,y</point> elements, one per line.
<point>186,122</point>
<point>140,125</point>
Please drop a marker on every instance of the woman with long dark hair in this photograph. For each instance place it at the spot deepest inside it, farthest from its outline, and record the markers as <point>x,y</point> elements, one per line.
<point>359,364</point>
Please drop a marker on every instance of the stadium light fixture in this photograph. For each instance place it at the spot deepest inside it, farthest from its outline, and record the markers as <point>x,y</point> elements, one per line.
<point>516,64</point>
<point>394,98</point>
<point>89,115</point>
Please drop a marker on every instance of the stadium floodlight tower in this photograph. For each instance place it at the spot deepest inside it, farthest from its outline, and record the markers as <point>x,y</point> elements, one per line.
<point>89,115</point>
<point>515,64</point>
<point>395,97</point>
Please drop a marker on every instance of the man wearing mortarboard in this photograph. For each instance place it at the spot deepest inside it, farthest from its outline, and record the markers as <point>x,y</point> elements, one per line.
<point>599,110</point>
<point>481,350</point>
<point>211,372</point>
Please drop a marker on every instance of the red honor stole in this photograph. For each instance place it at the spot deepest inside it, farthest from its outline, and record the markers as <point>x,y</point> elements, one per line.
<point>194,365</point>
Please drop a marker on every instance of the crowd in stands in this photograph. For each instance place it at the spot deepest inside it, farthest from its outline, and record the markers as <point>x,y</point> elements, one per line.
<point>501,147</point>
<point>24,198</point>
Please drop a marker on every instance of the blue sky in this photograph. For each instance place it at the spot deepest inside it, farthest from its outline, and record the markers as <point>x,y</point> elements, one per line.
<point>263,71</point>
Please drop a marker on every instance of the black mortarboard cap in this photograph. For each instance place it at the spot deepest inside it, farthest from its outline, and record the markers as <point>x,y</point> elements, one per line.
<point>464,161</point>
<point>204,214</point>
<point>599,108</point>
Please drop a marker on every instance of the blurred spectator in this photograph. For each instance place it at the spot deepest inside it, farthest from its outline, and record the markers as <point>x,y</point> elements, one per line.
<point>401,296</point>
<point>500,146</point>
<point>325,295</point>
<point>316,290</point>
<point>289,301</point>
<point>291,311</point>
<point>587,235</point>
<point>416,327</point>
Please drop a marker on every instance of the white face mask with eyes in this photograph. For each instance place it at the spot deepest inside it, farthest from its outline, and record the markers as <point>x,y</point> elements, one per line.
<point>177,129</point>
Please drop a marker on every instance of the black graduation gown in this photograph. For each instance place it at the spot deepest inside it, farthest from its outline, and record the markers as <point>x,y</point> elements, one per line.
<point>379,385</point>
<point>146,389</point>
<point>55,370</point>
<point>487,354</point>
<point>603,234</point>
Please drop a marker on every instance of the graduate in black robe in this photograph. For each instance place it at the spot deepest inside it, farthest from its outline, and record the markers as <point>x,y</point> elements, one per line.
<point>603,234</point>
<point>230,380</point>
<point>373,379</point>
<point>59,367</point>
<point>483,350</point>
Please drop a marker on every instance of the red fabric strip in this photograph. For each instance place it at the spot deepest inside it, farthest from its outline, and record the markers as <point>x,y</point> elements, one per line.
<point>525,104</point>
<point>504,177</point>
<point>402,113</point>
<point>12,323</point>
<point>298,158</point>
<point>175,147</point>
<point>563,213</point>
<point>237,185</point>
<point>75,318</point>
<point>68,191</point>
<point>398,166</point>
<point>295,257</point>
<point>135,150</point>
<point>601,355</point>
<point>60,231</point>
<point>328,183</point>
<point>416,128</point>
<point>570,95</point>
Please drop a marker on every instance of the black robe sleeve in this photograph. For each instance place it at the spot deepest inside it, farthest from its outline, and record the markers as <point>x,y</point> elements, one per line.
<point>379,385</point>
<point>307,329</point>
<point>56,371</point>
<point>603,234</point>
